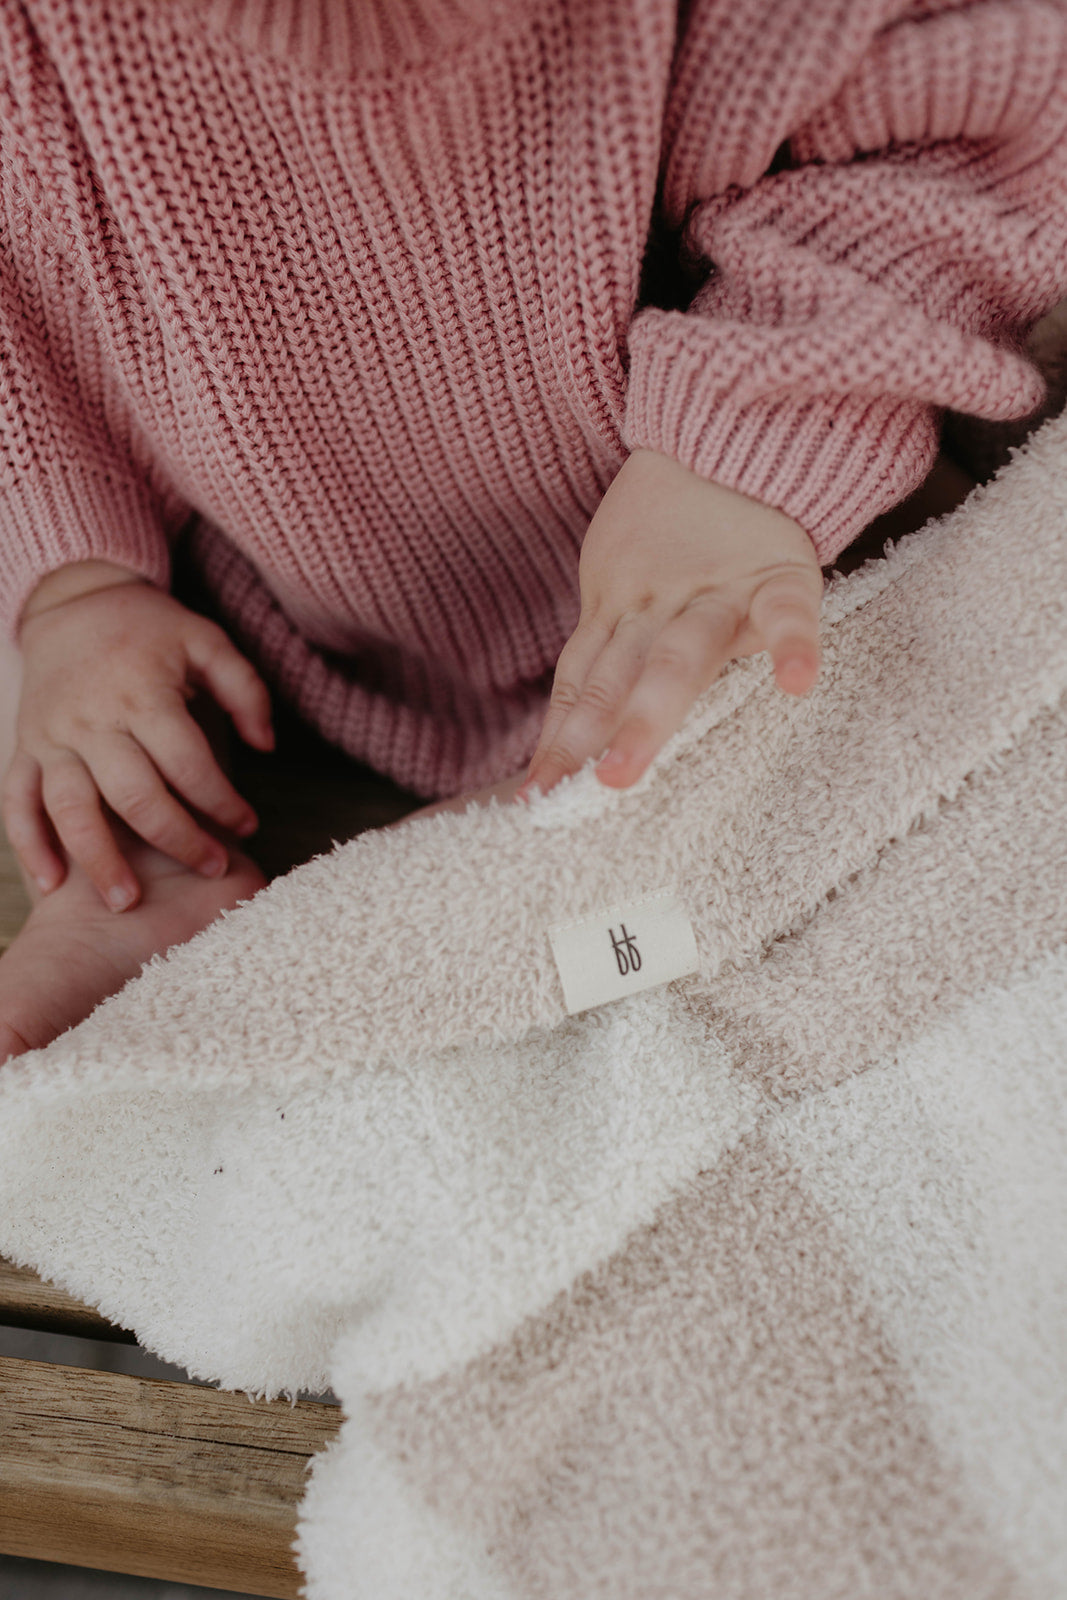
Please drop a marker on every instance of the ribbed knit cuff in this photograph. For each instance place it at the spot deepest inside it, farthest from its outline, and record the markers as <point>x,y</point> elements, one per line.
<point>76,516</point>
<point>831,462</point>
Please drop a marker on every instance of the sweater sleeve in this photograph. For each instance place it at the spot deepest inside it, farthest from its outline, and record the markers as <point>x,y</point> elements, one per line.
<point>890,264</point>
<point>74,484</point>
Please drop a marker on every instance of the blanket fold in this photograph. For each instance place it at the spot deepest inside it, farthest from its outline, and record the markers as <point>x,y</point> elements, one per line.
<point>749,1285</point>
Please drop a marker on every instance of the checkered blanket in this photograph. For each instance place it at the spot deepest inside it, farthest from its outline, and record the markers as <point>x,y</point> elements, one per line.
<point>744,1285</point>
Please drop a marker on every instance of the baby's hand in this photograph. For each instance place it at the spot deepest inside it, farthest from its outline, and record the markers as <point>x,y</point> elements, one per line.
<point>103,715</point>
<point>678,576</point>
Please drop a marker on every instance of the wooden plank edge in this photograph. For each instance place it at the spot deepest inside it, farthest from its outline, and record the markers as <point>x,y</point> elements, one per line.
<point>154,1478</point>
<point>27,1301</point>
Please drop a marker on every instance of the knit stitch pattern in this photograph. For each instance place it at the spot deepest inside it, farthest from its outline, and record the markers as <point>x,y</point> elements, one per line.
<point>352,292</point>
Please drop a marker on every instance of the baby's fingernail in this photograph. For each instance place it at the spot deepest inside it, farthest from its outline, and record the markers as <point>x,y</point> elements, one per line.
<point>795,675</point>
<point>249,825</point>
<point>46,882</point>
<point>612,761</point>
<point>118,898</point>
<point>214,866</point>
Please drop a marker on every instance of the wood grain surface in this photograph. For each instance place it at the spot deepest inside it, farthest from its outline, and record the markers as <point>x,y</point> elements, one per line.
<point>158,1479</point>
<point>26,1301</point>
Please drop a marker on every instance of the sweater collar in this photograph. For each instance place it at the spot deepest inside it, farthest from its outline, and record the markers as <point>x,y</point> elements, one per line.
<point>350,37</point>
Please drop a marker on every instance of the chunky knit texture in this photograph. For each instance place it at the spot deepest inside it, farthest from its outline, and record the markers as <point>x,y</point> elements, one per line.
<point>353,289</point>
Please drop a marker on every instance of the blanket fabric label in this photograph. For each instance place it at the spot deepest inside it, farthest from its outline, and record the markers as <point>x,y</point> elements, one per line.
<point>623,949</point>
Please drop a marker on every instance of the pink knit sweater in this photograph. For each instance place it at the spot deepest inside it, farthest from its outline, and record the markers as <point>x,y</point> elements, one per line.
<point>353,289</point>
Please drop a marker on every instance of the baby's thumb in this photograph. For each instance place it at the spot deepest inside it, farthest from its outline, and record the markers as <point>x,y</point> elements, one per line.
<point>234,682</point>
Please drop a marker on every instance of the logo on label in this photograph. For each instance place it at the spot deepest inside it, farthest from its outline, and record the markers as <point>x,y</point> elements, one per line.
<point>651,939</point>
<point>627,956</point>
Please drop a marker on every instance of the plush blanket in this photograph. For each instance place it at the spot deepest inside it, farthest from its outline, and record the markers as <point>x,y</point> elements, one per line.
<point>748,1284</point>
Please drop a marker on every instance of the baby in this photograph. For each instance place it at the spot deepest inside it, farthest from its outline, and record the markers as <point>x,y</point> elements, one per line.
<point>476,350</point>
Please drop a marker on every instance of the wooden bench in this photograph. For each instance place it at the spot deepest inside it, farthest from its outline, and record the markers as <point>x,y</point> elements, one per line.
<point>145,1475</point>
<point>149,1476</point>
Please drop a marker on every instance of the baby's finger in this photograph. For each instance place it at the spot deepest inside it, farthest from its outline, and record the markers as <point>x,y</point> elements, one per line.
<point>72,801</point>
<point>595,705</point>
<point>572,668</point>
<point>784,611</point>
<point>135,791</point>
<point>24,822</point>
<point>182,753</point>
<point>686,656</point>
<point>233,681</point>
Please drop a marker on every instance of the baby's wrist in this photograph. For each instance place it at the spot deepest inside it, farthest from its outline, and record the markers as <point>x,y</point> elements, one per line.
<point>73,582</point>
